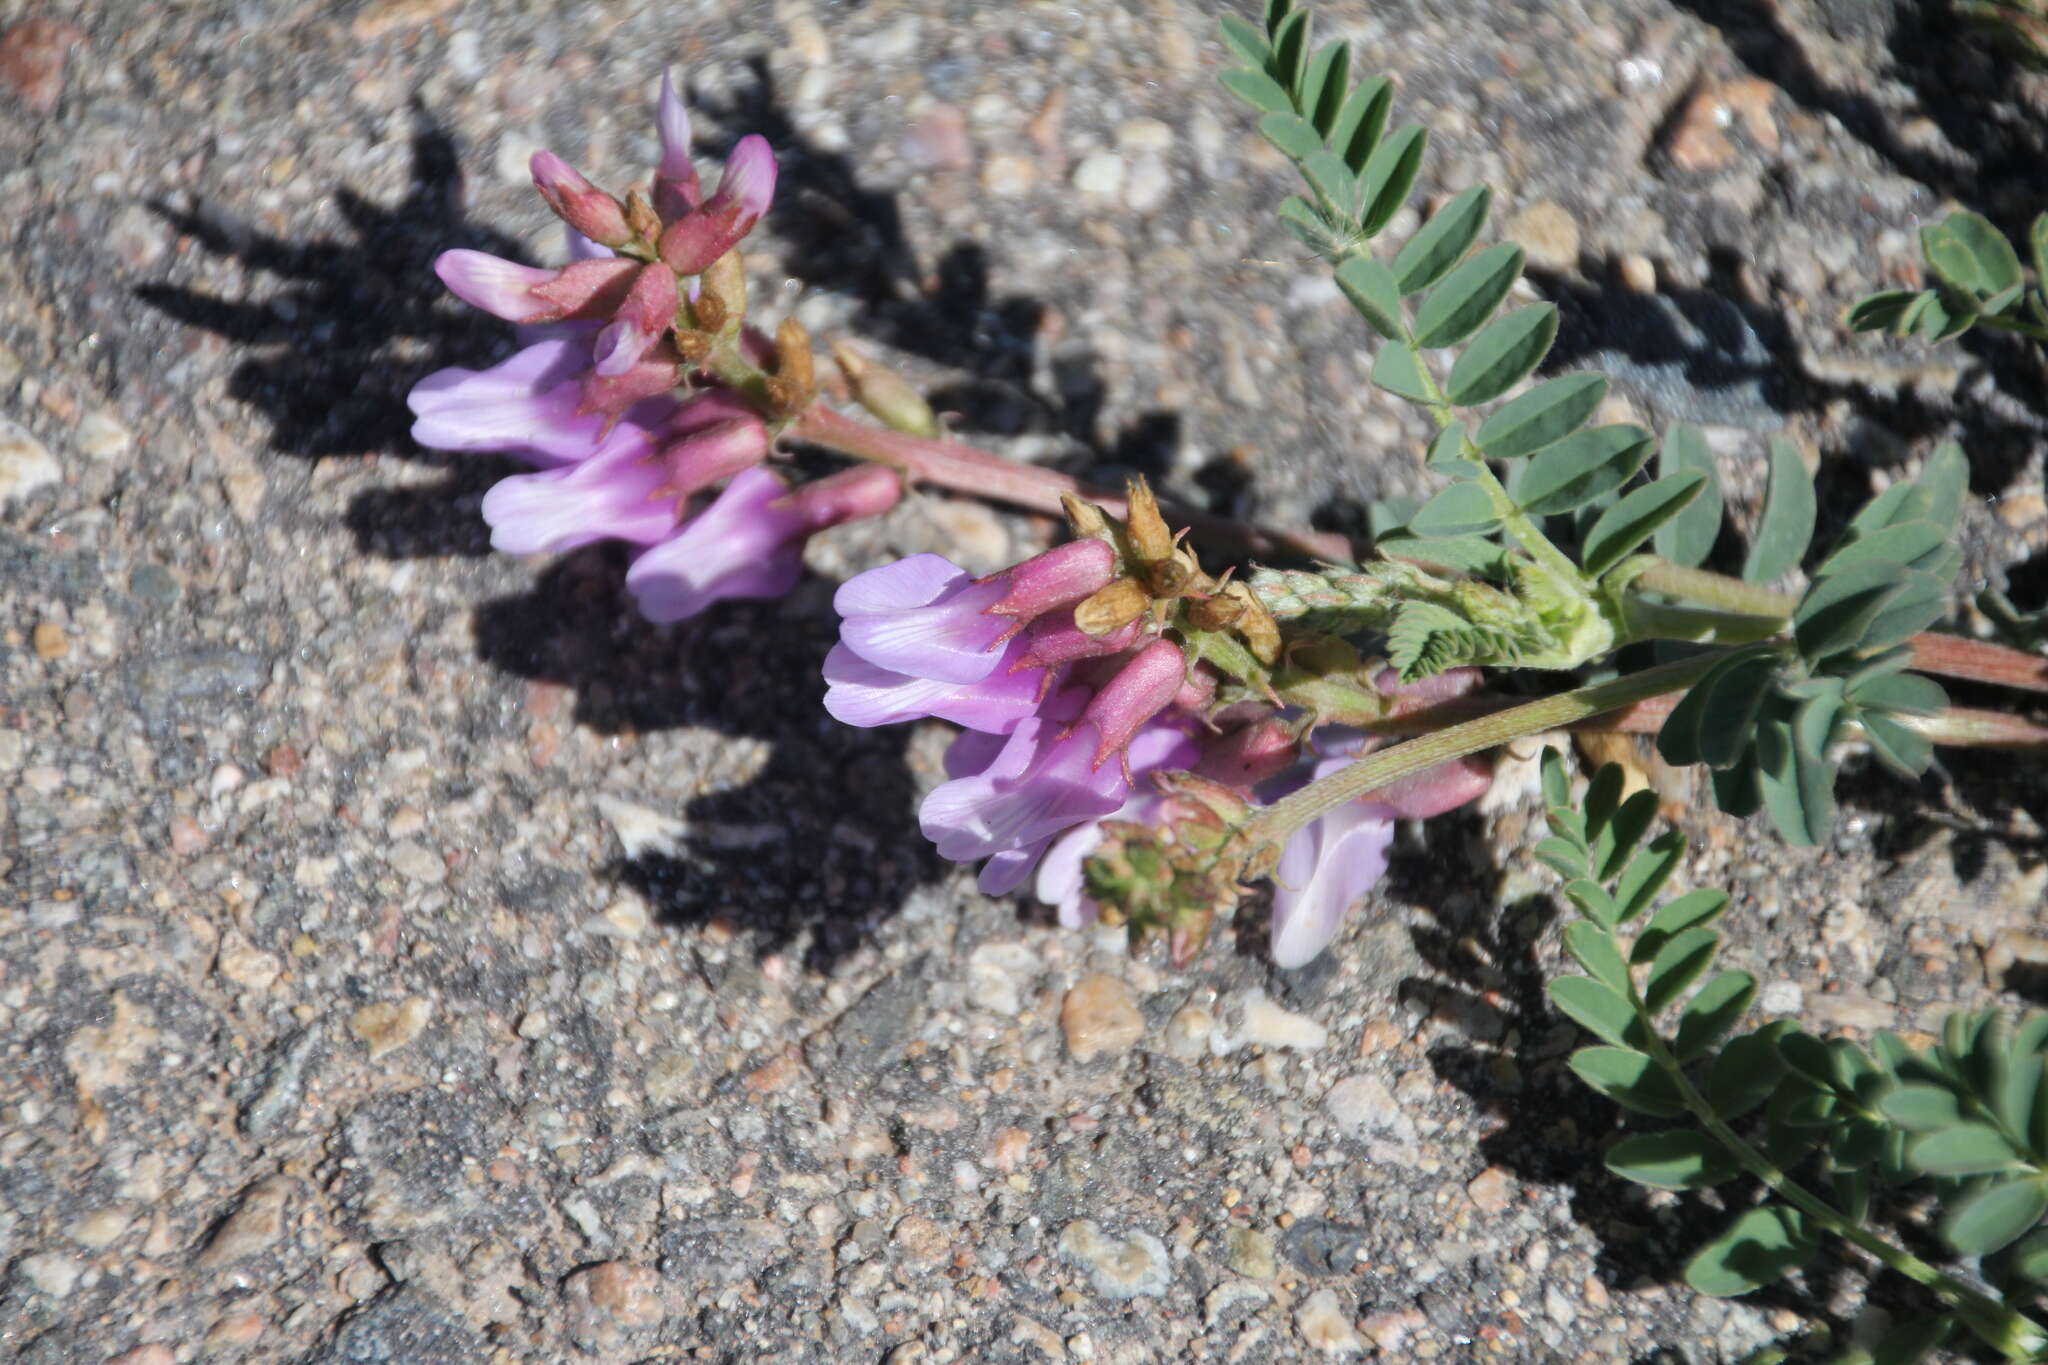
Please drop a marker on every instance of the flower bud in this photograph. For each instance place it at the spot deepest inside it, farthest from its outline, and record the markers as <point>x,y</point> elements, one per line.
<point>646,224</point>
<point>1113,606</point>
<point>721,293</point>
<point>711,451</point>
<point>849,495</point>
<point>1141,690</point>
<point>1250,754</point>
<point>1058,578</point>
<point>1215,612</point>
<point>1085,518</point>
<point>579,203</point>
<point>643,319</point>
<point>793,359</point>
<point>675,175</point>
<point>586,290</point>
<point>1056,639</point>
<point>1260,631</point>
<point>884,393</point>
<point>1149,537</point>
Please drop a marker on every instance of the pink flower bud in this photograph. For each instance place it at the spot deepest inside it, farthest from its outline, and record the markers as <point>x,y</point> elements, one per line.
<point>1249,755</point>
<point>1141,690</point>
<point>850,495</point>
<point>586,290</point>
<point>644,318</point>
<point>690,244</point>
<point>712,451</point>
<point>676,191</point>
<point>579,203</point>
<point>1054,639</point>
<point>1058,578</point>
<point>613,394</point>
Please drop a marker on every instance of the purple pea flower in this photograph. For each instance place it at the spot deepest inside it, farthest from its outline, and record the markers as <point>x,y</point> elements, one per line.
<point>924,617</point>
<point>525,405</point>
<point>675,175</point>
<point>1048,777</point>
<point>690,243</point>
<point>860,693</point>
<point>631,484</point>
<point>749,542</point>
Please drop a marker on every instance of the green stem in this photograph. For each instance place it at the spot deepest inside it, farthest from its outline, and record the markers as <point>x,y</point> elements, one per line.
<point>2013,1334</point>
<point>1647,620</point>
<point>1533,542</point>
<point>1273,824</point>
<point>2014,324</point>
<point>1713,590</point>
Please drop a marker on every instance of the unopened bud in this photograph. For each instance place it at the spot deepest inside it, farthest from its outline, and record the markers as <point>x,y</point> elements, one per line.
<point>1086,519</point>
<point>1169,577</point>
<point>1217,612</point>
<point>641,218</point>
<point>1260,631</point>
<point>1112,607</point>
<point>849,495</point>
<point>1058,578</point>
<point>793,360</point>
<point>1150,540</point>
<point>579,203</point>
<point>1141,689</point>
<point>884,393</point>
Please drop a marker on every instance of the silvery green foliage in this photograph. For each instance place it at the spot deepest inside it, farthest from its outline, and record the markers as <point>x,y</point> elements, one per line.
<point>1967,1117</point>
<point>1529,473</point>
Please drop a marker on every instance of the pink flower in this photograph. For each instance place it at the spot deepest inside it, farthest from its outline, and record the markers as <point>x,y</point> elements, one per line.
<point>525,405</point>
<point>521,293</point>
<point>924,617</point>
<point>749,542</point>
<point>630,485</point>
<point>582,205</point>
<point>675,176</point>
<point>860,693</point>
<point>690,243</point>
<point>1048,777</point>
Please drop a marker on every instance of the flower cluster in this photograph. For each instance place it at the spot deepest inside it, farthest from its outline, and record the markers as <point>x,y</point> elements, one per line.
<point>644,402</point>
<point>1070,702</point>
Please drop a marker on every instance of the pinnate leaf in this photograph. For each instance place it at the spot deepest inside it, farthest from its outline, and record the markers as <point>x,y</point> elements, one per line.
<point>1464,299</point>
<point>1581,467</point>
<point>1689,537</point>
<point>1502,355</point>
<point>1681,1159</point>
<point>1787,525</point>
<point>1623,528</point>
<point>1546,413</point>
<point>1757,1248</point>
<point>1443,241</point>
<point>1629,1078</point>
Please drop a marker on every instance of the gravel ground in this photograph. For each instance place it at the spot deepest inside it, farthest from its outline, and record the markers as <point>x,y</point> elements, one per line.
<point>406,955</point>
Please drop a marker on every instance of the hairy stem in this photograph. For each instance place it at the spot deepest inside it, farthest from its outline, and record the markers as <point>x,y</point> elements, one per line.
<point>1714,590</point>
<point>1273,824</point>
<point>1647,620</point>
<point>963,469</point>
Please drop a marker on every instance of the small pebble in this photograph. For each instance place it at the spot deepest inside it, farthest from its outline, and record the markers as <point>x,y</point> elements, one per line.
<point>389,1025</point>
<point>1100,175</point>
<point>1119,1268</point>
<point>1100,1018</point>
<point>49,641</point>
<point>1325,1325</point>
